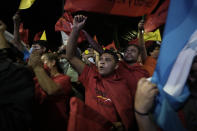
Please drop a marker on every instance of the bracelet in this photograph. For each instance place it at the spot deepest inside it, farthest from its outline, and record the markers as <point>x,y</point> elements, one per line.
<point>139,113</point>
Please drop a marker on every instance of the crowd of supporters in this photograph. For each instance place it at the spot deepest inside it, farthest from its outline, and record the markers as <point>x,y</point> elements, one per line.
<point>98,89</point>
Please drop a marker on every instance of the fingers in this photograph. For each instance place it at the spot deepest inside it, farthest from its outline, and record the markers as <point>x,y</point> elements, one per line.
<point>141,25</point>
<point>35,59</point>
<point>144,81</point>
<point>141,81</point>
<point>144,84</point>
<point>80,18</point>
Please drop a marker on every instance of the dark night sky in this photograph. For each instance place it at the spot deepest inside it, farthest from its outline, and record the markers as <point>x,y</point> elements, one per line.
<point>44,14</point>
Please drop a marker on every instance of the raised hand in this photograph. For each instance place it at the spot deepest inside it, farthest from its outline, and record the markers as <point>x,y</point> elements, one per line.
<point>79,21</point>
<point>141,25</point>
<point>35,60</point>
<point>16,18</point>
<point>145,94</point>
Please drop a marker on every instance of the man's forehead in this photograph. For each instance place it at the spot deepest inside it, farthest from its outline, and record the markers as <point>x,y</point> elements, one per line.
<point>132,47</point>
<point>107,55</point>
<point>36,45</point>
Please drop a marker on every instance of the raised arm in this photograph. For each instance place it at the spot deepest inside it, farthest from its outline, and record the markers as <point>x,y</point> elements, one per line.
<point>46,83</point>
<point>141,40</point>
<point>144,100</point>
<point>78,24</point>
<point>94,44</point>
<point>17,40</point>
<point>3,42</point>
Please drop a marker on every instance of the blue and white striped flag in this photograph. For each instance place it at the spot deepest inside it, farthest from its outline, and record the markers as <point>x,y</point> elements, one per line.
<point>181,24</point>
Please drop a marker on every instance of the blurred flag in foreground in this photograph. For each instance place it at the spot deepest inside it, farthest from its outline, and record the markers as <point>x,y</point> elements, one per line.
<point>180,25</point>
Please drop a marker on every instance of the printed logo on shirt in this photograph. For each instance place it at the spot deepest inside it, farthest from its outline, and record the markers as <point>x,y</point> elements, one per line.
<point>102,98</point>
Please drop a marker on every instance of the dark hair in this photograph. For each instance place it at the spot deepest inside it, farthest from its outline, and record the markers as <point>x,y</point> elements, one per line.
<point>52,56</point>
<point>195,59</point>
<point>112,53</point>
<point>137,46</point>
<point>152,47</point>
<point>42,43</point>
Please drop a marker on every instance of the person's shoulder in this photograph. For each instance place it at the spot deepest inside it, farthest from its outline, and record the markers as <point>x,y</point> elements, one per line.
<point>122,63</point>
<point>150,60</point>
<point>90,68</point>
<point>138,68</point>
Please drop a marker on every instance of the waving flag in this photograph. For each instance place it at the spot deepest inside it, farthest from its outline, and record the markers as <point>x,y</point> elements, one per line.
<point>65,23</point>
<point>26,4</point>
<point>152,36</point>
<point>43,37</point>
<point>158,18</point>
<point>181,24</point>
<point>113,7</point>
<point>84,118</point>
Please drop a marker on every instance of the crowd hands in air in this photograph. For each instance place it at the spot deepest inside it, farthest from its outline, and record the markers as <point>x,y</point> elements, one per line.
<point>113,84</point>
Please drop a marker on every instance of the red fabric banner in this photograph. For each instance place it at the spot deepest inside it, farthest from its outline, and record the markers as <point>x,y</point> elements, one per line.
<point>131,8</point>
<point>157,19</point>
<point>111,45</point>
<point>84,118</point>
<point>37,36</point>
<point>65,24</point>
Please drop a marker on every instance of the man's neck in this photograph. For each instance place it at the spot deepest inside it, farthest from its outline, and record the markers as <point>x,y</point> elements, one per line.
<point>131,63</point>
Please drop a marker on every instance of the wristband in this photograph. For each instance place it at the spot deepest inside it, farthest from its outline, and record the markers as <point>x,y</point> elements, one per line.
<point>142,114</point>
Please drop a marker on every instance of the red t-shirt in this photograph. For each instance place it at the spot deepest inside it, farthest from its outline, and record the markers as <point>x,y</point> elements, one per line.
<point>51,111</point>
<point>110,96</point>
<point>132,74</point>
<point>96,95</point>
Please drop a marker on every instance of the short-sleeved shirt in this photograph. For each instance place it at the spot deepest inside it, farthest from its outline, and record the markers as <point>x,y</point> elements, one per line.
<point>96,95</point>
<point>132,73</point>
<point>110,96</point>
<point>51,111</point>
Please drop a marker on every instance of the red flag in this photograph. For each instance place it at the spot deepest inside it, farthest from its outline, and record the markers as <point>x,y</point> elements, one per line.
<point>84,118</point>
<point>24,33</point>
<point>135,41</point>
<point>37,36</point>
<point>157,19</point>
<point>111,45</point>
<point>115,7</point>
<point>65,24</point>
